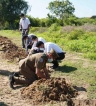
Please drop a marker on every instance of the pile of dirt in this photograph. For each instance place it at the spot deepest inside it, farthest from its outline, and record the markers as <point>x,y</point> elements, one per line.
<point>54,89</point>
<point>10,50</point>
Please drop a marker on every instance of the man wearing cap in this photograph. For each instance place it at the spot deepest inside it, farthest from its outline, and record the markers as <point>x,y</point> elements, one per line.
<point>47,46</point>
<point>31,68</point>
<point>24,25</point>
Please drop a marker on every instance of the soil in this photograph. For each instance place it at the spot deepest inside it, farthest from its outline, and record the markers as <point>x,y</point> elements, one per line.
<point>54,89</point>
<point>10,50</point>
<point>51,92</point>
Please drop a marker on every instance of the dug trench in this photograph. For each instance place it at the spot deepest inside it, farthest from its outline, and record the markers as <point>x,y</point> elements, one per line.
<point>42,92</point>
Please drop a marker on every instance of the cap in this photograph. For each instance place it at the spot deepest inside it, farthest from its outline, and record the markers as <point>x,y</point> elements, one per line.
<point>54,54</point>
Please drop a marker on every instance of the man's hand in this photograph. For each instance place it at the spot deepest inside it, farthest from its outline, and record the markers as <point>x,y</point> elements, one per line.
<point>27,53</point>
<point>26,31</point>
<point>46,73</point>
<point>40,74</point>
<point>20,29</point>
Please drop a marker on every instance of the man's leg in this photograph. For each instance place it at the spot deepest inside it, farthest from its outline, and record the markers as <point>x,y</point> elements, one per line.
<point>55,62</point>
<point>23,34</point>
<point>26,77</point>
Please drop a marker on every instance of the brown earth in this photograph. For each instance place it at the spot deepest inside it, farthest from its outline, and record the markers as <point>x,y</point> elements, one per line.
<point>10,50</point>
<point>54,89</point>
<point>51,92</point>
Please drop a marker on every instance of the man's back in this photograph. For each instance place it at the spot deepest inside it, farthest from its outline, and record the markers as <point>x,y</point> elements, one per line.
<point>33,61</point>
<point>49,45</point>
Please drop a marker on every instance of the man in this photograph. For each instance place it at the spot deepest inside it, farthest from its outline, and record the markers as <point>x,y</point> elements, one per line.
<point>28,41</point>
<point>31,68</point>
<point>34,49</point>
<point>24,25</point>
<point>47,46</point>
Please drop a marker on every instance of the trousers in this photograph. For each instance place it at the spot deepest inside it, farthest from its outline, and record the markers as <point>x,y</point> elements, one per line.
<point>24,33</point>
<point>28,75</point>
<point>61,56</point>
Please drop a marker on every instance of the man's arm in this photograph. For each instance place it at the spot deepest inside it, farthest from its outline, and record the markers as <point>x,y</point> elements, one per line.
<point>31,51</point>
<point>40,74</point>
<point>46,73</point>
<point>28,24</point>
<point>20,25</point>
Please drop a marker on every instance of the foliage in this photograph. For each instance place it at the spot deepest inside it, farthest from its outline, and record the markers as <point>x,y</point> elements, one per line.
<point>75,34</point>
<point>10,10</point>
<point>61,8</point>
<point>76,40</point>
<point>50,20</point>
<point>54,27</point>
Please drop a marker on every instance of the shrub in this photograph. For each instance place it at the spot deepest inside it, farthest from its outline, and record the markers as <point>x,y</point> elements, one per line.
<point>75,34</point>
<point>34,29</point>
<point>73,46</point>
<point>54,27</point>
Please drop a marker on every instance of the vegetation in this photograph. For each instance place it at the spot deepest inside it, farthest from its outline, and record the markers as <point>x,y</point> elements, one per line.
<point>76,39</point>
<point>79,65</point>
<point>61,9</point>
<point>10,11</point>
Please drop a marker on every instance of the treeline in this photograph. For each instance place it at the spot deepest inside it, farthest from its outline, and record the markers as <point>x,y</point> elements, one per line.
<point>61,12</point>
<point>73,20</point>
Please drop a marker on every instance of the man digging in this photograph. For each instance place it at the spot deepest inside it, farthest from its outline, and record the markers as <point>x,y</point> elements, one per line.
<point>31,68</point>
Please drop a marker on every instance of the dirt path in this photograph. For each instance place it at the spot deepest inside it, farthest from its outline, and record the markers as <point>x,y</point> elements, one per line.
<point>9,97</point>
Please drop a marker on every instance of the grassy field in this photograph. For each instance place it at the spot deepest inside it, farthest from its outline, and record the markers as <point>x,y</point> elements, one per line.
<point>80,71</point>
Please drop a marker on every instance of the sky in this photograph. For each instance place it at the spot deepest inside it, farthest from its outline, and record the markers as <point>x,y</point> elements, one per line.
<point>83,8</point>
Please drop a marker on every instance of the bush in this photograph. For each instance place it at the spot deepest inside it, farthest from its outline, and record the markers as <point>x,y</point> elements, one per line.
<point>34,29</point>
<point>75,34</point>
<point>54,27</point>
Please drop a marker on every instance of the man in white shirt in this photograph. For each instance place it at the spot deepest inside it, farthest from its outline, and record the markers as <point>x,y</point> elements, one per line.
<point>34,49</point>
<point>24,25</point>
<point>47,47</point>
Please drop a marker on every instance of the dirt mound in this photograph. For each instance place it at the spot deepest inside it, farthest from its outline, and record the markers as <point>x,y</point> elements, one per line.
<point>10,50</point>
<point>54,89</point>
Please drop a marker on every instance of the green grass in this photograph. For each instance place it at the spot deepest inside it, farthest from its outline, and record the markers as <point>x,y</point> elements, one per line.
<point>79,65</point>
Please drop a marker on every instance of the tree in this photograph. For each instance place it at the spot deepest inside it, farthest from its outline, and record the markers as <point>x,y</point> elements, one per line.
<point>10,10</point>
<point>61,9</point>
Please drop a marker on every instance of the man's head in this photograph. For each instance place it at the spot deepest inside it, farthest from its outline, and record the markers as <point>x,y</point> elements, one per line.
<point>21,15</point>
<point>34,38</point>
<point>52,55</point>
<point>40,44</point>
